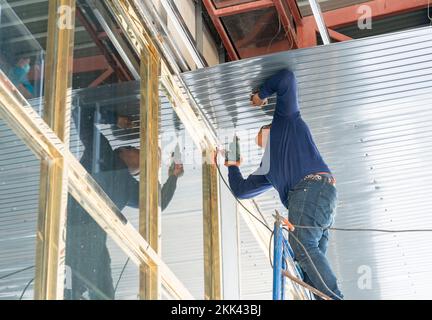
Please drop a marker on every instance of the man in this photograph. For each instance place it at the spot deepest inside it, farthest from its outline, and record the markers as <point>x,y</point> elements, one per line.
<point>293,166</point>
<point>18,75</point>
<point>87,255</point>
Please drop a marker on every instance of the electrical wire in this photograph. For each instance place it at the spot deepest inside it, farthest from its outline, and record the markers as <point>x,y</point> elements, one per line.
<point>15,272</point>
<point>25,288</point>
<point>428,13</point>
<point>316,227</point>
<point>312,263</point>
<point>278,33</point>
<point>239,202</point>
<point>269,248</point>
<point>365,229</point>
<point>121,275</point>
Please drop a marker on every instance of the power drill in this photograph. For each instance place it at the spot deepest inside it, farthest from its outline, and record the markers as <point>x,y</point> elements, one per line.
<point>232,155</point>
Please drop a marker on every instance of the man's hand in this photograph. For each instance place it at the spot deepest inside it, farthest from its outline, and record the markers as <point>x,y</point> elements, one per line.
<point>176,169</point>
<point>124,122</point>
<point>256,101</point>
<point>233,163</point>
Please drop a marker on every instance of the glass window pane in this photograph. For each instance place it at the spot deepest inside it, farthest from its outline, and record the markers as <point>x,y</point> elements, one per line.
<point>96,52</point>
<point>23,30</point>
<point>111,155</point>
<point>181,198</point>
<point>19,203</point>
<point>96,268</point>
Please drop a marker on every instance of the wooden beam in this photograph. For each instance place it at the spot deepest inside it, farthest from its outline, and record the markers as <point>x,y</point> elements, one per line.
<point>211,220</point>
<point>149,221</point>
<point>50,240</point>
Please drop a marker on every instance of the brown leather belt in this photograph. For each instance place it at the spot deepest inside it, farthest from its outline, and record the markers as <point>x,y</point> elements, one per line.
<point>326,176</point>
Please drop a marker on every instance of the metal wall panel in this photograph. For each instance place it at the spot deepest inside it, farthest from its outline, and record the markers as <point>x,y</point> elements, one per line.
<point>367,103</point>
<point>19,194</point>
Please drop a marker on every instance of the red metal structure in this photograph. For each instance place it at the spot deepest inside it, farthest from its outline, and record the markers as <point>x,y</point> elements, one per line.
<point>251,28</point>
<point>240,23</point>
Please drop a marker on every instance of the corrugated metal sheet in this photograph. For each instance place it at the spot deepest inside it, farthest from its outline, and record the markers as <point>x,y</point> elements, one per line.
<point>368,105</point>
<point>19,193</point>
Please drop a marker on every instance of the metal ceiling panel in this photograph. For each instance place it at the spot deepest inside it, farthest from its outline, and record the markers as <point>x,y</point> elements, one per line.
<point>367,103</point>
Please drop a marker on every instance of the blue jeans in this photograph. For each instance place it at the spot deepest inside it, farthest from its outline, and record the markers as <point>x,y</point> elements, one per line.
<point>313,203</point>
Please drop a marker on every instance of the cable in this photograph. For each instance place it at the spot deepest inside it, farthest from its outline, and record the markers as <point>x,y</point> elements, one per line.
<point>15,272</point>
<point>312,263</point>
<point>277,33</point>
<point>428,13</point>
<point>25,288</point>
<point>121,275</point>
<point>239,202</point>
<point>315,227</point>
<point>269,247</point>
<point>365,229</point>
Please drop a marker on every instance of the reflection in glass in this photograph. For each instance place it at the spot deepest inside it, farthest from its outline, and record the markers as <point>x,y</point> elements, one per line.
<point>115,169</point>
<point>105,138</point>
<point>96,268</point>
<point>21,50</point>
<point>182,220</point>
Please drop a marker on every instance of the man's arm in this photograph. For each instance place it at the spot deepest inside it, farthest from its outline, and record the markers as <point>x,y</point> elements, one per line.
<point>167,191</point>
<point>133,192</point>
<point>284,84</point>
<point>248,188</point>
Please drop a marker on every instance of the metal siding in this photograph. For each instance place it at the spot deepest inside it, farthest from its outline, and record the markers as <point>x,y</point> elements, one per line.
<point>19,194</point>
<point>367,104</point>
